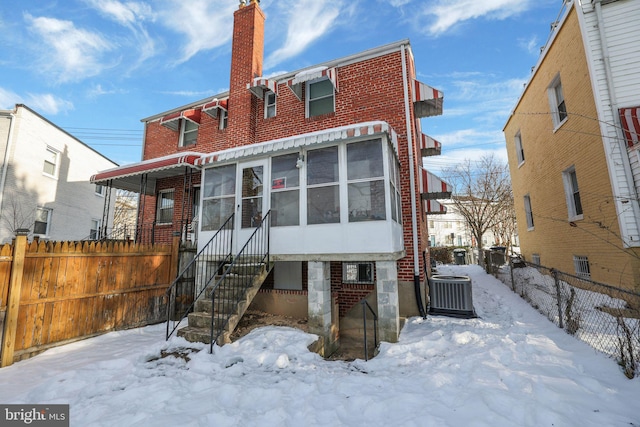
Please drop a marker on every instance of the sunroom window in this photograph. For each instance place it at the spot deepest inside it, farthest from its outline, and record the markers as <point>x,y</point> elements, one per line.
<point>285,190</point>
<point>219,196</point>
<point>323,188</point>
<point>365,181</point>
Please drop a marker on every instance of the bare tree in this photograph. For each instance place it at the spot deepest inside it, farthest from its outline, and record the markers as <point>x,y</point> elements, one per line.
<point>16,216</point>
<point>505,227</point>
<point>482,193</point>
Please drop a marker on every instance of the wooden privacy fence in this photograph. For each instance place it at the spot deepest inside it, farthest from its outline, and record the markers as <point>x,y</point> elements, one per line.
<point>54,293</point>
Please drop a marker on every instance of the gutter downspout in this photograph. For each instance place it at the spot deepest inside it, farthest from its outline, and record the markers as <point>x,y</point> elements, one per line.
<point>613,101</point>
<point>5,164</point>
<point>412,181</point>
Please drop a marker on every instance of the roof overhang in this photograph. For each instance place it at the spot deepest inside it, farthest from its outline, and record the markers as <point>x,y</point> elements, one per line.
<point>172,121</point>
<point>211,108</point>
<point>427,101</point>
<point>429,146</point>
<point>129,177</point>
<point>433,187</point>
<point>630,125</point>
<point>295,84</point>
<point>358,130</point>
<point>261,85</point>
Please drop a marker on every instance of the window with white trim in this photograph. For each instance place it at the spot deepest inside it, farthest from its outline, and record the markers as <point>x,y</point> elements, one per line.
<point>99,189</point>
<point>269,104</point>
<point>188,132</point>
<point>323,186</point>
<point>556,102</point>
<point>394,187</point>
<point>224,119</point>
<point>365,181</point>
<point>581,265</point>
<point>42,223</point>
<point>535,258</point>
<point>218,196</point>
<point>164,211</point>
<point>357,272</point>
<point>285,190</point>
<point>51,162</point>
<point>572,193</point>
<point>94,232</point>
<point>320,97</point>
<point>519,151</point>
<point>528,212</point>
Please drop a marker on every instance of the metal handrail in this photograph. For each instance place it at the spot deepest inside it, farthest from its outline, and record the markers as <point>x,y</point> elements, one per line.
<point>239,276</point>
<point>218,248</point>
<point>366,305</point>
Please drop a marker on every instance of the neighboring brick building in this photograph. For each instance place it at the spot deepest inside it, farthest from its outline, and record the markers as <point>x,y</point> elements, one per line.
<point>572,142</point>
<point>335,153</point>
<point>44,183</point>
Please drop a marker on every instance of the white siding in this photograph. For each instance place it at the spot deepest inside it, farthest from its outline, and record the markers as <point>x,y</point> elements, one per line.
<point>70,194</point>
<point>622,33</point>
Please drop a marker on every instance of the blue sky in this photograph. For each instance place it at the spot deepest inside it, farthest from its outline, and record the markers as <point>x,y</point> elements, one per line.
<point>96,67</point>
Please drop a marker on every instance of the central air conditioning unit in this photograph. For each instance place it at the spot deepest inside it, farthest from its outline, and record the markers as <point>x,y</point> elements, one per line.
<point>451,296</point>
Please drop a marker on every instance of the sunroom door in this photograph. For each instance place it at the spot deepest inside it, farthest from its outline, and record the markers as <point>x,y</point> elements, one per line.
<point>253,204</point>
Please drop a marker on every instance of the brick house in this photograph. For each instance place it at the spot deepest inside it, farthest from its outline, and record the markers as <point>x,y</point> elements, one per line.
<point>572,142</point>
<point>333,152</point>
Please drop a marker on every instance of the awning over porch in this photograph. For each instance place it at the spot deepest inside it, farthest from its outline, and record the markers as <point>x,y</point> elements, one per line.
<point>172,121</point>
<point>433,187</point>
<point>429,146</point>
<point>295,84</point>
<point>433,207</point>
<point>211,108</point>
<point>129,177</point>
<point>261,85</point>
<point>630,125</point>
<point>427,101</point>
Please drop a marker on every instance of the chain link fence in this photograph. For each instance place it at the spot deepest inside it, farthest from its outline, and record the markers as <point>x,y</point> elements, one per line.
<point>605,317</point>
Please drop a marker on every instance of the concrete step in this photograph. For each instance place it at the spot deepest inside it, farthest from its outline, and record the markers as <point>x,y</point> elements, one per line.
<point>222,305</point>
<point>203,320</point>
<point>193,334</point>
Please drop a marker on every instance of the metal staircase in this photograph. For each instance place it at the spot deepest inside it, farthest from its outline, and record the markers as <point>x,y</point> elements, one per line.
<point>226,286</point>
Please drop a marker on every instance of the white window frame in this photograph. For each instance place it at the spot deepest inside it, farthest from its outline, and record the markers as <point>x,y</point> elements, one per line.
<point>99,190</point>
<point>308,99</point>
<point>183,131</point>
<point>555,100</point>
<point>159,208</point>
<point>519,150</point>
<point>56,164</point>
<point>351,273</point>
<point>224,119</point>
<point>570,194</point>
<point>528,212</point>
<point>582,267</point>
<point>94,234</point>
<point>48,222</point>
<point>269,106</point>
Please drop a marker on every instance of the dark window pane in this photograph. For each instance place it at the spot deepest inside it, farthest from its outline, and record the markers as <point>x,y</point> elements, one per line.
<point>216,211</point>
<point>285,167</point>
<point>322,166</point>
<point>366,201</point>
<point>285,208</point>
<point>364,160</point>
<point>323,205</point>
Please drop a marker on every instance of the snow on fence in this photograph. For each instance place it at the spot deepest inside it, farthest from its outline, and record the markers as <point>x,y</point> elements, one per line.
<point>605,317</point>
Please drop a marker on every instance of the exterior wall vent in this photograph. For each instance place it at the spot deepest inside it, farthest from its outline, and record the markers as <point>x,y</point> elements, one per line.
<point>451,296</point>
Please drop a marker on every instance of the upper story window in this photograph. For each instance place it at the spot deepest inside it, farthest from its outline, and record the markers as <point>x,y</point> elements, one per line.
<point>320,98</point>
<point>556,102</point>
<point>323,186</point>
<point>519,150</point>
<point>224,119</point>
<point>42,223</point>
<point>51,162</point>
<point>218,196</point>
<point>269,104</point>
<point>365,181</point>
<point>285,190</point>
<point>572,193</point>
<point>528,212</point>
<point>164,211</point>
<point>188,132</point>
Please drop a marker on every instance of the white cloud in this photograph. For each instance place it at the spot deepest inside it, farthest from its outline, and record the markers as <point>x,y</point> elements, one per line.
<point>452,12</point>
<point>8,99</point>
<point>69,53</point>
<point>531,45</point>
<point>307,21</point>
<point>48,103</point>
<point>206,24</point>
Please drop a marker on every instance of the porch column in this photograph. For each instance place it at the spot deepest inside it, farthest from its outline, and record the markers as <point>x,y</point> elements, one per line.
<point>388,306</point>
<point>320,306</point>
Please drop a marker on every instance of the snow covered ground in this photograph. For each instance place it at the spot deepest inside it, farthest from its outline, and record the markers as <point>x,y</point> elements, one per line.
<point>509,367</point>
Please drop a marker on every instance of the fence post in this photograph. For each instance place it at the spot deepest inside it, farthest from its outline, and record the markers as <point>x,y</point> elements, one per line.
<point>175,256</point>
<point>13,300</point>
<point>558,297</point>
<point>513,284</point>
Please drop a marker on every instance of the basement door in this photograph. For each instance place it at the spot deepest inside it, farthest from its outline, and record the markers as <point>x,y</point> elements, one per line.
<point>253,203</point>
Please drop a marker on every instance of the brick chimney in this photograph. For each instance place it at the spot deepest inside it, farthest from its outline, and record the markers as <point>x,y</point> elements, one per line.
<point>247,51</point>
